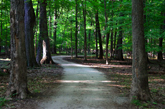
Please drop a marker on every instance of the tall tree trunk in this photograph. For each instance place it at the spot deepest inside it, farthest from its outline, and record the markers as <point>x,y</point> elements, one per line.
<point>140,88</point>
<point>85,35</point>
<point>18,71</point>
<point>76,29</point>
<point>112,34</point>
<point>107,34</point>
<point>119,42</point>
<point>160,57</point>
<point>55,32</point>
<point>95,32</point>
<point>36,28</point>
<point>1,30</point>
<point>29,21</point>
<point>44,37</point>
<point>115,41</point>
<point>89,39</point>
<point>71,43</point>
<point>99,34</point>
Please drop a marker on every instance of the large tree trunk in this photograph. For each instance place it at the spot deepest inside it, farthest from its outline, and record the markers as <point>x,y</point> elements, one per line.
<point>95,32</point>
<point>107,34</point>
<point>76,29</point>
<point>29,21</point>
<point>44,37</point>
<point>18,72</point>
<point>140,88</point>
<point>85,35</point>
<point>99,34</point>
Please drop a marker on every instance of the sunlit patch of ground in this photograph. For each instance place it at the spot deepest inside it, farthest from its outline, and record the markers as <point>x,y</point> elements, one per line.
<point>121,72</point>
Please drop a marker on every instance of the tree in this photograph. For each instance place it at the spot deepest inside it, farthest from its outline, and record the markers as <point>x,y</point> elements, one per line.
<point>29,34</point>
<point>160,57</point>
<point>76,28</point>
<point>18,72</point>
<point>140,88</point>
<point>99,34</point>
<point>43,38</point>
<point>85,34</point>
<point>107,34</point>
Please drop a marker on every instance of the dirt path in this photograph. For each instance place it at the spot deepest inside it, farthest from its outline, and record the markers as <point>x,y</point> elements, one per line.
<point>83,87</point>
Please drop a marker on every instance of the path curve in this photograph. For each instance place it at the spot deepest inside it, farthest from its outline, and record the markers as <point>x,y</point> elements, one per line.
<point>82,87</point>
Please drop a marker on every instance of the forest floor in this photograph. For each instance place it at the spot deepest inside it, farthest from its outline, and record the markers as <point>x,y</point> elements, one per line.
<point>49,84</point>
<point>40,84</point>
<point>121,73</point>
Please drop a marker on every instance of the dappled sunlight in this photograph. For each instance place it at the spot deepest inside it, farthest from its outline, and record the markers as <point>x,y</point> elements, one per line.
<point>82,81</point>
<point>78,81</point>
<point>115,85</point>
<point>74,65</point>
<point>157,80</point>
<point>5,59</point>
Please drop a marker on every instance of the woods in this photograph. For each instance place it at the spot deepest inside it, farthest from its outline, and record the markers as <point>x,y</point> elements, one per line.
<point>121,30</point>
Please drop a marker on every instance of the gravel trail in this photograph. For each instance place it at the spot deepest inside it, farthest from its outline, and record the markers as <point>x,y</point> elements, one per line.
<point>83,87</point>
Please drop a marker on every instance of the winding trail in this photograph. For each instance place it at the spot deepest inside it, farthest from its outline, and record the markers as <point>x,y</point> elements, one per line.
<point>83,87</point>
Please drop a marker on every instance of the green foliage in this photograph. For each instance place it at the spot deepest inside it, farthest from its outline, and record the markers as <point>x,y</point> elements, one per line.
<point>2,101</point>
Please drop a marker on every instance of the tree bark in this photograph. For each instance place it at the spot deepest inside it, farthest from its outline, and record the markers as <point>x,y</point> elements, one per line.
<point>18,72</point>
<point>43,38</point>
<point>107,34</point>
<point>85,35</point>
<point>119,42</point>
<point>29,21</point>
<point>139,88</point>
<point>76,29</point>
<point>55,31</point>
<point>99,34</point>
<point>160,55</point>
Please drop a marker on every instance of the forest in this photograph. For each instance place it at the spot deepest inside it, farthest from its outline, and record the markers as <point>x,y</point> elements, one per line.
<point>123,39</point>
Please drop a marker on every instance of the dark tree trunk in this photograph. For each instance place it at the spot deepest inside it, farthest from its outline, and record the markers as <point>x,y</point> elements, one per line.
<point>107,34</point>
<point>55,31</point>
<point>29,21</point>
<point>99,34</point>
<point>89,39</point>
<point>119,43</point>
<point>112,34</point>
<point>95,31</point>
<point>115,39</point>
<point>1,30</point>
<point>18,71</point>
<point>71,43</point>
<point>160,56</point>
<point>76,29</point>
<point>43,38</point>
<point>85,35</point>
<point>140,88</point>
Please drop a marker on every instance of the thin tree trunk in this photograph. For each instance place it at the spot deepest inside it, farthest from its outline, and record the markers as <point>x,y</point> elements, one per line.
<point>71,43</point>
<point>89,39</point>
<point>76,29</point>
<point>55,32</point>
<point>119,42</point>
<point>112,34</point>
<point>85,35</point>
<point>107,34</point>
<point>1,30</point>
<point>140,88</point>
<point>99,34</point>
<point>160,55</point>
<point>29,34</point>
<point>18,72</point>
<point>95,31</point>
